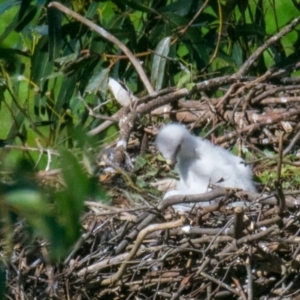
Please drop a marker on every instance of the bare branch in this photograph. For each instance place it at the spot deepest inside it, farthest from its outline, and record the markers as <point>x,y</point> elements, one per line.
<point>110,38</point>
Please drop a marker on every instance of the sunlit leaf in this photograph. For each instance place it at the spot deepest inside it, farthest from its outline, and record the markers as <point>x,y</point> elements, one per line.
<point>98,82</point>
<point>159,63</point>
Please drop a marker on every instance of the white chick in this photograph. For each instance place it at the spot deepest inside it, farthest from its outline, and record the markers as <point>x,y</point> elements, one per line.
<point>201,163</point>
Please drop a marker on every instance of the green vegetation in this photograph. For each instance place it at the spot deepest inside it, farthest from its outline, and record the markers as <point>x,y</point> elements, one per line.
<point>54,91</point>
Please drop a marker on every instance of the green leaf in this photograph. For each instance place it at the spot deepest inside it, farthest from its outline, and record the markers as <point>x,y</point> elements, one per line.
<point>140,162</point>
<point>27,201</point>
<point>159,63</point>
<point>184,79</point>
<point>28,15</point>
<point>77,182</point>
<point>140,6</point>
<point>31,205</point>
<point>54,19</point>
<point>5,6</point>
<point>181,8</point>
<point>190,85</point>
<point>98,82</point>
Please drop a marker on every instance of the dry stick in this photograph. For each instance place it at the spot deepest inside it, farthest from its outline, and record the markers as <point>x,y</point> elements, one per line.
<point>154,227</point>
<point>212,234</point>
<point>112,261</point>
<point>278,184</point>
<point>157,94</point>
<point>201,86</point>
<point>250,128</point>
<point>80,242</point>
<point>249,278</point>
<point>26,148</point>
<point>292,143</point>
<point>147,218</point>
<point>181,199</point>
<point>120,113</point>
<point>247,239</point>
<point>289,80</point>
<point>223,99</point>
<point>291,284</point>
<point>110,38</point>
<point>247,64</point>
<point>182,32</point>
<point>238,222</point>
<point>279,163</point>
<point>200,111</point>
<point>280,100</point>
<point>273,91</point>
<point>183,284</point>
<point>239,287</point>
<point>199,241</point>
<point>220,283</point>
<point>108,123</point>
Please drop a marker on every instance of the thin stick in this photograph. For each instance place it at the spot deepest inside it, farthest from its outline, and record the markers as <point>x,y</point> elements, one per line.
<point>110,38</point>
<point>248,63</point>
<point>278,183</point>
<point>279,162</point>
<point>154,227</point>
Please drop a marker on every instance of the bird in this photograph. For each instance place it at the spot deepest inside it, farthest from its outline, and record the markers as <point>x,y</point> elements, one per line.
<point>201,163</point>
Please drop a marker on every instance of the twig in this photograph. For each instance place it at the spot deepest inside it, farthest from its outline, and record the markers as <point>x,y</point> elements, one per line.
<point>247,239</point>
<point>220,283</point>
<point>154,227</point>
<point>110,38</point>
<point>238,222</point>
<point>248,63</point>
<point>292,143</point>
<point>26,148</point>
<point>278,184</point>
<point>182,199</point>
<point>249,277</point>
<point>280,152</point>
<point>252,127</point>
<point>240,288</point>
<point>183,31</point>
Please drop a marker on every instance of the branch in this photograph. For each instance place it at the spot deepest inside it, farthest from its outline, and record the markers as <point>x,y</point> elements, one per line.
<point>248,63</point>
<point>140,238</point>
<point>110,38</point>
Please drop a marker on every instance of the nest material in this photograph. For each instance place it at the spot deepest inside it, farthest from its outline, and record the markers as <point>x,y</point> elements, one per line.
<point>247,249</point>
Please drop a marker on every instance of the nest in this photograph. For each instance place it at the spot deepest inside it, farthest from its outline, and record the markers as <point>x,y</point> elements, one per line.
<point>246,249</point>
<point>243,246</point>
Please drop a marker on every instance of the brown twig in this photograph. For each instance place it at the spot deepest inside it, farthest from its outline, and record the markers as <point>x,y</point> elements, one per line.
<point>154,227</point>
<point>238,222</point>
<point>248,63</point>
<point>110,38</point>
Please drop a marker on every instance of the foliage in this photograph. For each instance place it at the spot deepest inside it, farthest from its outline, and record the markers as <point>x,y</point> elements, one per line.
<point>53,65</point>
<point>55,71</point>
<point>52,213</point>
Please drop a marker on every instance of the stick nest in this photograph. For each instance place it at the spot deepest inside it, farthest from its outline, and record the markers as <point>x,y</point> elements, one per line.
<point>246,246</point>
<point>224,250</point>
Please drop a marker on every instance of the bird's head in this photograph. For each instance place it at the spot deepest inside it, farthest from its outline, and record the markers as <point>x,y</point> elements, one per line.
<point>169,141</point>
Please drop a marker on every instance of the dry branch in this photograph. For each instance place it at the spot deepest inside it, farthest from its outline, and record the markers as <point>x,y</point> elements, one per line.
<point>179,261</point>
<point>110,38</point>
